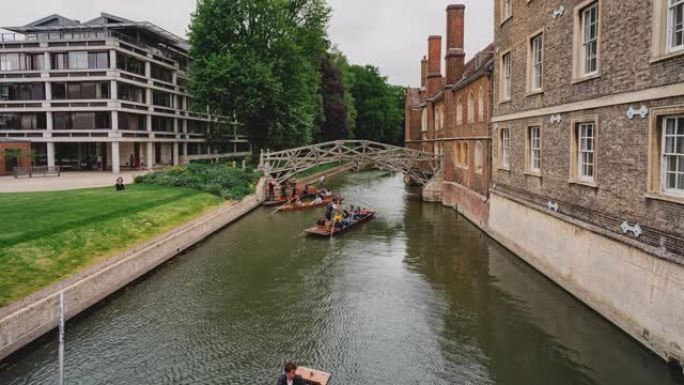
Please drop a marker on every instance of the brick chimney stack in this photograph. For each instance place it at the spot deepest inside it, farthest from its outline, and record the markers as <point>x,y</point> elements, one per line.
<point>434,77</point>
<point>455,57</point>
<point>423,71</point>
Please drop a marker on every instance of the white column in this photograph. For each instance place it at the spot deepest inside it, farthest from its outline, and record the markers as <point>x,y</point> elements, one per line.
<point>51,154</point>
<point>115,158</point>
<point>149,155</point>
<point>113,90</point>
<point>46,58</point>
<point>175,154</point>
<point>115,121</point>
<point>112,58</point>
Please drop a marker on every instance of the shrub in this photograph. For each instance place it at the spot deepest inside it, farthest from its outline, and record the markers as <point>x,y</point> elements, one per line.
<point>217,179</point>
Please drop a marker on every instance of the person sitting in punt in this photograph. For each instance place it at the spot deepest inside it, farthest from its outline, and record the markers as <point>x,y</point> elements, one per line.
<point>339,219</point>
<point>347,221</point>
<point>298,202</point>
<point>290,377</point>
<point>318,199</point>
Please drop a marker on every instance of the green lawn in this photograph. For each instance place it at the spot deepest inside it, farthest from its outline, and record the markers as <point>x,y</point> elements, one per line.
<point>47,236</point>
<point>319,168</point>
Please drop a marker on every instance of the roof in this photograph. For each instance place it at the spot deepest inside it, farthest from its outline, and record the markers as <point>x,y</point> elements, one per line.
<point>479,65</point>
<point>105,20</point>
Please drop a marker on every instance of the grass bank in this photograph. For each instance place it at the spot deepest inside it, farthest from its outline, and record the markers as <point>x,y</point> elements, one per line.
<point>48,236</point>
<point>319,168</point>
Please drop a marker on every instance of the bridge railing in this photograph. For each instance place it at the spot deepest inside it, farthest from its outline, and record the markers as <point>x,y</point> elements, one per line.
<point>418,165</point>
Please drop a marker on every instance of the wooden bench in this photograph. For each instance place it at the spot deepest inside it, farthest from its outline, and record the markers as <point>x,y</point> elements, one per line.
<point>44,171</point>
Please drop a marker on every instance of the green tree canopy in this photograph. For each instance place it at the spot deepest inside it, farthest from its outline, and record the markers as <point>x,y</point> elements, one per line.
<point>258,61</point>
<point>379,106</point>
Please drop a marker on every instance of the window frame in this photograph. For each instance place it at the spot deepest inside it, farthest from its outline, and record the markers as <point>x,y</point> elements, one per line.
<point>579,43</point>
<point>671,4</point>
<point>479,157</point>
<point>576,176</point>
<point>459,111</point>
<point>504,148</point>
<point>530,150</point>
<point>470,113</point>
<point>663,168</point>
<point>532,64</point>
<point>656,154</point>
<point>481,106</point>
<point>506,10</point>
<point>505,78</point>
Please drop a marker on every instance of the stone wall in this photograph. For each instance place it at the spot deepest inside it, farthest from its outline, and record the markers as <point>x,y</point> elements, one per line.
<point>621,190</point>
<point>28,319</point>
<point>640,293</point>
<point>625,63</point>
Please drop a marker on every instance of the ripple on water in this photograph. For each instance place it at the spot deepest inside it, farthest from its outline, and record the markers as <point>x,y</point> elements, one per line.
<point>416,296</point>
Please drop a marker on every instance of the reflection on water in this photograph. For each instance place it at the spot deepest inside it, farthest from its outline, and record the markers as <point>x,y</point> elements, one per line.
<point>417,296</point>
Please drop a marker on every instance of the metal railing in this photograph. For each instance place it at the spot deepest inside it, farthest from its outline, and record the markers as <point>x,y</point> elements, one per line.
<point>85,35</point>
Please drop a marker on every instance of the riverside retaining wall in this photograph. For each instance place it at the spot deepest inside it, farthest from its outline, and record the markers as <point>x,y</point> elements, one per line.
<point>28,319</point>
<point>637,291</point>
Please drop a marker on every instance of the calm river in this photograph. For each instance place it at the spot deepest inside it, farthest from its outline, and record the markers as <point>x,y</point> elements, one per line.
<point>417,296</point>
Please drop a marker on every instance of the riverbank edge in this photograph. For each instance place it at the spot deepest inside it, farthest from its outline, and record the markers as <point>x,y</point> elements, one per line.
<point>641,302</point>
<point>335,171</point>
<point>26,320</point>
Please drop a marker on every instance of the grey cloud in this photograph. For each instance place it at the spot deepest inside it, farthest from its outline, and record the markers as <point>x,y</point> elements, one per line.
<point>390,34</point>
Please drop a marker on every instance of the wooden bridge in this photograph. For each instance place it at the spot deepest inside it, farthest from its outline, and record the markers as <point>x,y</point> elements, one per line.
<point>418,165</point>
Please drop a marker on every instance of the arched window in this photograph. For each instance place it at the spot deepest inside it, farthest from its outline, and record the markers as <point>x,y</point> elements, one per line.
<point>464,160</point>
<point>471,107</point>
<point>456,154</point>
<point>481,106</point>
<point>478,157</point>
<point>459,111</point>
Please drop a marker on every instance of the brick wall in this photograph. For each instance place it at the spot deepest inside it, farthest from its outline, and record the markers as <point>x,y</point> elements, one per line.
<point>4,146</point>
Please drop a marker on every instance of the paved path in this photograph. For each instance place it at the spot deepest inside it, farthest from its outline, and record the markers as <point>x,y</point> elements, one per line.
<point>69,180</point>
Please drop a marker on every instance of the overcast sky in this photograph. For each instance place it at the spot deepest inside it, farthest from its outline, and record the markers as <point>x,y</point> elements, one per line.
<point>390,34</point>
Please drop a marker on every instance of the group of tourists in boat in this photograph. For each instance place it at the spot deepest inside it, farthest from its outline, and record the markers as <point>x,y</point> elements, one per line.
<point>289,197</point>
<point>337,220</point>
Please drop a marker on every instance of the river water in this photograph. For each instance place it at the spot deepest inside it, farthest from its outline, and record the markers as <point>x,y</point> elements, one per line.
<point>417,296</point>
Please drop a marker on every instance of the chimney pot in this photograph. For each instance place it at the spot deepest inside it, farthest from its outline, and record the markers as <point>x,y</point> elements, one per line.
<point>455,57</point>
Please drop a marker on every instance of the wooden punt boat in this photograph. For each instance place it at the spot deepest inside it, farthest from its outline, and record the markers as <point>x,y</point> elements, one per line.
<point>321,231</point>
<point>308,205</point>
<point>282,199</point>
<point>313,376</point>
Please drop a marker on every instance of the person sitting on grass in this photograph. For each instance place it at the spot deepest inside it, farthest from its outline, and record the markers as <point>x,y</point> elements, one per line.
<point>120,184</point>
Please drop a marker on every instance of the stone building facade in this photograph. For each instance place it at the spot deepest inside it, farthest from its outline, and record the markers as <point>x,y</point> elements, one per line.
<point>588,160</point>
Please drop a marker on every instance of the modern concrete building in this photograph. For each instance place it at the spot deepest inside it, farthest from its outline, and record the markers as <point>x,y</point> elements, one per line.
<point>110,89</point>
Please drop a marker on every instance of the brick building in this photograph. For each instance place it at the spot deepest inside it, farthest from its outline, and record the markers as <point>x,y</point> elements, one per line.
<point>588,167</point>
<point>14,153</point>
<point>450,115</point>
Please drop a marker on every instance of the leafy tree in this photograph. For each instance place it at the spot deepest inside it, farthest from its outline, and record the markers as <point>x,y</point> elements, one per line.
<point>258,60</point>
<point>379,105</point>
<point>334,126</point>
